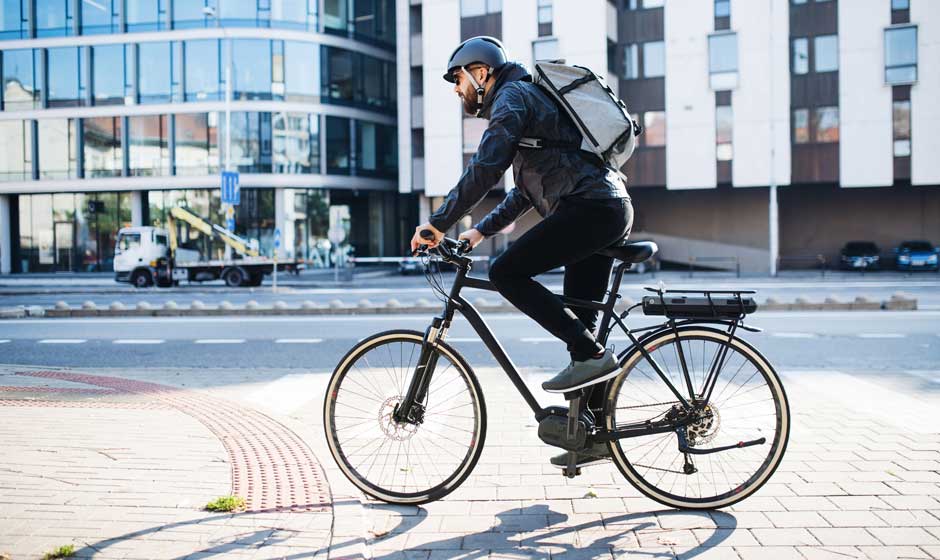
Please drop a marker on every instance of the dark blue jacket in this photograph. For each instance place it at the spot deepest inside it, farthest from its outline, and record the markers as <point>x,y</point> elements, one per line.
<point>517,108</point>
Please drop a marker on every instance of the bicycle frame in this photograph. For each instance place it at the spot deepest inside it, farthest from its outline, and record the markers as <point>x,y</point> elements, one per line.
<point>417,389</point>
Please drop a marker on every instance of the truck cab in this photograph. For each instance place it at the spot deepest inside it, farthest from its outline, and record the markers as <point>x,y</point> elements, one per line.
<point>136,253</point>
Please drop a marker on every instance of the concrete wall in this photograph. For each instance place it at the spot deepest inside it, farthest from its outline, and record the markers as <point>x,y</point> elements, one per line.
<point>865,144</point>
<point>763,87</point>
<point>690,102</point>
<point>925,110</point>
<point>443,156</point>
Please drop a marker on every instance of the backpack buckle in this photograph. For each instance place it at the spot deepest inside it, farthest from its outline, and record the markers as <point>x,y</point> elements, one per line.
<point>527,142</point>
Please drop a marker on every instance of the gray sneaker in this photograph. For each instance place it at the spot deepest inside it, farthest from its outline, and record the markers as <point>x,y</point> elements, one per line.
<point>581,374</point>
<point>593,455</point>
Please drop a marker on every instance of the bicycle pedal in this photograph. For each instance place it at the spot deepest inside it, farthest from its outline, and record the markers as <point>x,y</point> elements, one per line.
<point>569,473</point>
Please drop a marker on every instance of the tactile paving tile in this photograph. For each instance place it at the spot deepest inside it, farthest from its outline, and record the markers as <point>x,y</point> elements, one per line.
<point>272,468</point>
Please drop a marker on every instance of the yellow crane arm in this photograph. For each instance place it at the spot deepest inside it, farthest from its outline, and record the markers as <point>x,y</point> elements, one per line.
<point>234,241</point>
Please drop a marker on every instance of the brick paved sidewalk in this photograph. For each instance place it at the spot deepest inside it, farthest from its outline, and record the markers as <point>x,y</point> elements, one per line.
<point>861,479</point>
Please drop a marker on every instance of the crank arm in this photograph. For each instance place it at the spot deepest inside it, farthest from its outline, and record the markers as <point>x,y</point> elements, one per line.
<point>686,449</point>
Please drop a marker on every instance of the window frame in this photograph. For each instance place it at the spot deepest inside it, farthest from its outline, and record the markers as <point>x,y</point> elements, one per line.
<point>889,67</point>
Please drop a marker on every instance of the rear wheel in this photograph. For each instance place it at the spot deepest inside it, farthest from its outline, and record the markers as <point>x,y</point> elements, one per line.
<point>400,462</point>
<point>234,277</point>
<point>747,403</point>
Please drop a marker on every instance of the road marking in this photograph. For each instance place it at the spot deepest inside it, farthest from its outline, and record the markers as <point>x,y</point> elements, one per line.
<point>62,341</point>
<point>4,341</point>
<point>537,339</point>
<point>138,341</point>
<point>794,335</point>
<point>298,341</point>
<point>881,335</point>
<point>219,341</point>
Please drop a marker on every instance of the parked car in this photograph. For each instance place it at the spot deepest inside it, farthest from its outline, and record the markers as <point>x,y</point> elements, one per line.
<point>861,255</point>
<point>916,255</point>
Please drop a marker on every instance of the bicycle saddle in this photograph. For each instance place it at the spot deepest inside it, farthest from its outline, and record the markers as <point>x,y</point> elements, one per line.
<point>631,252</point>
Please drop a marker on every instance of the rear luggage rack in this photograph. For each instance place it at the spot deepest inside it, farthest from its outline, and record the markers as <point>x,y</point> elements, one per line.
<point>699,304</point>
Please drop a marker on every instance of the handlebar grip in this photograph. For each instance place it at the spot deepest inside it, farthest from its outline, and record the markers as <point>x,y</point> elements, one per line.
<point>426,234</point>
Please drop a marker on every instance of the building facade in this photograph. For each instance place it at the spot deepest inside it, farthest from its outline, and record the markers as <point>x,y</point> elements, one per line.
<point>775,130</point>
<point>116,110</point>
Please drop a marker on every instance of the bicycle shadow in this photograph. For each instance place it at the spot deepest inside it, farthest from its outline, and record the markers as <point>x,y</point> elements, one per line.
<point>500,537</point>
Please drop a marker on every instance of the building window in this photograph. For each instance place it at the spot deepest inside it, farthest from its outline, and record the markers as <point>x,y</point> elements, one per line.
<point>102,155</point>
<point>722,8</point>
<point>16,159</point>
<point>826,53</point>
<point>301,71</point>
<point>54,18</point>
<point>801,126</point>
<point>800,55</point>
<point>376,150</point>
<point>252,69</point>
<point>296,142</point>
<point>900,4</point>
<point>338,75</point>
<point>294,14</point>
<point>901,55</point>
<point>201,61</point>
<point>58,152</point>
<point>631,62</point>
<point>723,61</point>
<point>648,4</point>
<point>826,125</point>
<point>545,50</point>
<point>654,129</point>
<point>334,15</point>
<point>417,81</point>
<point>100,16</point>
<point>148,143</point>
<point>338,146</point>
<point>153,72</point>
<point>107,74</point>
<point>146,15</point>
<point>66,69</point>
<point>471,8</point>
<point>724,124</point>
<point>901,119</point>
<point>473,129</point>
<point>13,19</point>
<point>545,17</point>
<point>21,81</point>
<point>197,144</point>
<point>654,59</point>
<point>251,142</point>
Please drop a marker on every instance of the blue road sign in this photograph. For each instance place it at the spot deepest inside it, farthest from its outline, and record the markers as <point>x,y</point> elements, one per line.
<point>231,193</point>
<point>277,238</point>
<point>230,224</point>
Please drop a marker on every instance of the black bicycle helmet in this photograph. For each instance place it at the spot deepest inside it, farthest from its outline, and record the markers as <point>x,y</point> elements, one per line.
<point>476,50</point>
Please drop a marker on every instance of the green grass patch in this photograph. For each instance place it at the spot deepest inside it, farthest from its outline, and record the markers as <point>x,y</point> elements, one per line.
<point>61,552</point>
<point>227,503</point>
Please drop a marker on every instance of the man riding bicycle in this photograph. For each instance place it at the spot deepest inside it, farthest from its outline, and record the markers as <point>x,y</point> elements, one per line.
<point>583,202</point>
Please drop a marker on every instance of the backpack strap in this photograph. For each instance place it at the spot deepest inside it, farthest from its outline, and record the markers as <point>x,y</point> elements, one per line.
<point>531,143</point>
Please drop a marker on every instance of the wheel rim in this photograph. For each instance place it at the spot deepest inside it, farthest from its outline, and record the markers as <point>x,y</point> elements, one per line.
<point>402,462</point>
<point>742,407</point>
<point>141,281</point>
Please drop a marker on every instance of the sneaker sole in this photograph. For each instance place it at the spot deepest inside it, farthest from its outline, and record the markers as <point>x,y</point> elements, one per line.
<point>613,373</point>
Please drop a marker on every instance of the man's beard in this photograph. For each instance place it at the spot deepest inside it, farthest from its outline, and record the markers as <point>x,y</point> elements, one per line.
<point>470,107</point>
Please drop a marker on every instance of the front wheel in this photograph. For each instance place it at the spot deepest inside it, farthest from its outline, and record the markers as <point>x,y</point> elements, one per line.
<point>401,462</point>
<point>747,403</point>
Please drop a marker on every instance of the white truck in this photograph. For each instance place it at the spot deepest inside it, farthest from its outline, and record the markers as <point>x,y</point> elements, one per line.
<point>145,255</point>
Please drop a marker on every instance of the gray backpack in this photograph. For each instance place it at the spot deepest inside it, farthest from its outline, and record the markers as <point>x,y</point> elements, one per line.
<point>607,130</point>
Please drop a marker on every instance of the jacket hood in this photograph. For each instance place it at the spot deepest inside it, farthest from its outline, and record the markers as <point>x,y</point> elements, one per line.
<point>509,72</point>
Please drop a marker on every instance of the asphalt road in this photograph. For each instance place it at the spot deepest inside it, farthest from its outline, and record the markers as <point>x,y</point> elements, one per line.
<point>876,343</point>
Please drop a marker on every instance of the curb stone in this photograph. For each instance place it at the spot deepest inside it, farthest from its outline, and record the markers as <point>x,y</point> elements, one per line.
<point>898,302</point>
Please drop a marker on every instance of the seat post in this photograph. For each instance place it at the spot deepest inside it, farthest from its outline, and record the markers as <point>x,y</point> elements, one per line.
<point>611,301</point>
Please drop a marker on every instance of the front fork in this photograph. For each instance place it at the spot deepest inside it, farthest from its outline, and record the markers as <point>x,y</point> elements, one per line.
<point>411,409</point>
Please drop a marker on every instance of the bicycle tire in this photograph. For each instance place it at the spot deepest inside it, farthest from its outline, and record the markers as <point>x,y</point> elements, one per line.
<point>463,469</point>
<point>655,342</point>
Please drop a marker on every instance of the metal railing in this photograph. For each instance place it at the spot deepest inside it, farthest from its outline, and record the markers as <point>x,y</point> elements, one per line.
<point>696,260</point>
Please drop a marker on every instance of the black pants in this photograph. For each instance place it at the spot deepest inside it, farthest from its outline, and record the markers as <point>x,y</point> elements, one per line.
<point>569,237</point>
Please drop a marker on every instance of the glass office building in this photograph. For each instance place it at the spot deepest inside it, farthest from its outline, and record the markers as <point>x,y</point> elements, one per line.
<point>112,112</point>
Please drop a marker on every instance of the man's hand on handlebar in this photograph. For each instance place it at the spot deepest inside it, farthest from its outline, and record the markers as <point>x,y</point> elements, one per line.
<point>471,236</point>
<point>431,241</point>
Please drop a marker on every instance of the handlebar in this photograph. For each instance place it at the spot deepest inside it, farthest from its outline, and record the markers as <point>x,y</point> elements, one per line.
<point>448,248</point>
